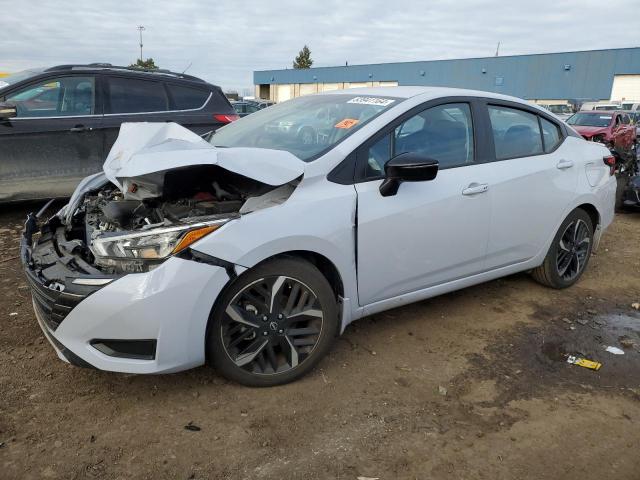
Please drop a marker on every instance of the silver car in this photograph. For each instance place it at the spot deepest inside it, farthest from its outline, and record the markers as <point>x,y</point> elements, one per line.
<point>253,251</point>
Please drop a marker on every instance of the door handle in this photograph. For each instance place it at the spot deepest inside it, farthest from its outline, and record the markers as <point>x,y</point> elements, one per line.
<point>475,188</point>
<point>80,129</point>
<point>564,164</point>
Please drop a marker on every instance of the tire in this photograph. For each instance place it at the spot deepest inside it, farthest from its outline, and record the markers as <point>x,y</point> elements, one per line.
<point>260,338</point>
<point>569,253</point>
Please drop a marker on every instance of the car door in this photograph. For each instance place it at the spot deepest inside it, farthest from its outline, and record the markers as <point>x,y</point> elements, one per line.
<point>129,99</point>
<point>428,233</point>
<point>54,141</point>
<point>534,179</point>
<point>132,100</point>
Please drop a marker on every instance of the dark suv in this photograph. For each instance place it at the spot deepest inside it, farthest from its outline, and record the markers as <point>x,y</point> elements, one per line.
<point>58,125</point>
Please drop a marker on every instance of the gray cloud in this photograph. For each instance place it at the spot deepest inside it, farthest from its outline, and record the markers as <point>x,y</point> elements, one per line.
<point>226,40</point>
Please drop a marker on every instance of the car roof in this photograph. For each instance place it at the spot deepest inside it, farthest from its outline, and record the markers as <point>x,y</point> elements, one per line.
<point>121,70</point>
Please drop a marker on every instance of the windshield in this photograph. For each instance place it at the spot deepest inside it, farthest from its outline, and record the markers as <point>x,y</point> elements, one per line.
<point>306,126</point>
<point>590,120</point>
<point>559,108</point>
<point>17,77</point>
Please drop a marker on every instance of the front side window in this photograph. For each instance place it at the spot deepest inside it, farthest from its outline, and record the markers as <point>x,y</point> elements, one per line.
<point>516,133</point>
<point>550,134</point>
<point>306,126</point>
<point>60,97</point>
<point>131,95</point>
<point>443,133</point>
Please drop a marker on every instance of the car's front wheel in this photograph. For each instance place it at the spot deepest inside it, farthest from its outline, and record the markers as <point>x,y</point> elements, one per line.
<point>569,253</point>
<point>273,324</point>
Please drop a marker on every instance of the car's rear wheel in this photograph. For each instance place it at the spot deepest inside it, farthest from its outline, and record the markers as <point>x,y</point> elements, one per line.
<point>274,323</point>
<point>569,253</point>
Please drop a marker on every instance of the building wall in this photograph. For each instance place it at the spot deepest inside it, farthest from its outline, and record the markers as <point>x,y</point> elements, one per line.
<point>586,75</point>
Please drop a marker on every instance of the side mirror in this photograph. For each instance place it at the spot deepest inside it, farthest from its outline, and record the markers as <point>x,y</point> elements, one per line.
<point>8,111</point>
<point>407,167</point>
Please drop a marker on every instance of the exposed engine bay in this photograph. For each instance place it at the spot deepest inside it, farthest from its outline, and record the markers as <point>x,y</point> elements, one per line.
<point>162,189</point>
<point>108,233</point>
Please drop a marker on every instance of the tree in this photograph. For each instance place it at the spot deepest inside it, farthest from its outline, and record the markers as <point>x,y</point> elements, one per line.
<point>147,64</point>
<point>303,60</point>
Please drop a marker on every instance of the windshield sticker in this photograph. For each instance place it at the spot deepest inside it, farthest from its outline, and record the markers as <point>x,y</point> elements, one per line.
<point>382,102</point>
<point>346,123</point>
<point>3,84</point>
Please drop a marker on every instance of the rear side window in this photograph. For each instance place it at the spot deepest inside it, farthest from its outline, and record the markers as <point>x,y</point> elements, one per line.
<point>550,134</point>
<point>187,98</point>
<point>130,95</point>
<point>516,133</point>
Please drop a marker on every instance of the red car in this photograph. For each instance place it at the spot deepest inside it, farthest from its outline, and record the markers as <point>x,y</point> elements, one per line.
<point>612,128</point>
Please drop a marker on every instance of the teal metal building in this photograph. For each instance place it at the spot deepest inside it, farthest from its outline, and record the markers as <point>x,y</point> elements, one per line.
<point>612,74</point>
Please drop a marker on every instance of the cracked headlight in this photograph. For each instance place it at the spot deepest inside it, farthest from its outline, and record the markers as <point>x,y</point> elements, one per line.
<point>139,251</point>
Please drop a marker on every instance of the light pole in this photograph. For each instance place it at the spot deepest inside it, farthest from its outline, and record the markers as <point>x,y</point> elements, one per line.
<point>140,29</point>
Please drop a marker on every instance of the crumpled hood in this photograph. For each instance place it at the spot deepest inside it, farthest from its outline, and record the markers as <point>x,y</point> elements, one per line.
<point>590,131</point>
<point>144,152</point>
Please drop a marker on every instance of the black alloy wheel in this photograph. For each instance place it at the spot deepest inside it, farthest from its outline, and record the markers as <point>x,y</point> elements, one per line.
<point>274,324</point>
<point>569,252</point>
<point>573,248</point>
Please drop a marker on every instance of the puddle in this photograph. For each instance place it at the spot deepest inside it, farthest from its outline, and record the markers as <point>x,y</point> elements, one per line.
<point>532,359</point>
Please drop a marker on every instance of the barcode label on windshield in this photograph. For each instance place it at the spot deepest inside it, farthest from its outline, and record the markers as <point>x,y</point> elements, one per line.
<point>382,102</point>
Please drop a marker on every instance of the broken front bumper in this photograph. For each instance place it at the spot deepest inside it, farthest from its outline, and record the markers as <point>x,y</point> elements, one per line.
<point>152,322</point>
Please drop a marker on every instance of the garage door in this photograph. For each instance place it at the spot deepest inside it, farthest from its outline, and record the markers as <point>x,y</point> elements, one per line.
<point>327,87</point>
<point>308,88</point>
<point>626,87</point>
<point>284,93</point>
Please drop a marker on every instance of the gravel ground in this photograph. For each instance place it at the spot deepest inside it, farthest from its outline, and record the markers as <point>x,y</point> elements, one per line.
<point>467,385</point>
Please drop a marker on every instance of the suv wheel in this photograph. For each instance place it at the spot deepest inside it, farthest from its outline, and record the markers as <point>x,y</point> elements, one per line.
<point>274,324</point>
<point>569,253</point>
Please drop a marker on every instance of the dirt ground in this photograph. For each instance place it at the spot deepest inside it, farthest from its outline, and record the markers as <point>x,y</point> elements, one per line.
<point>470,385</point>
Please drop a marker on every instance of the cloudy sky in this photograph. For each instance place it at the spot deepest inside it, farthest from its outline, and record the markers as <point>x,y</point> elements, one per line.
<point>226,40</point>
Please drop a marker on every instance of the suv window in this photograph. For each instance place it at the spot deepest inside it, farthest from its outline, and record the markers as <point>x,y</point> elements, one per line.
<point>59,97</point>
<point>187,98</point>
<point>550,134</point>
<point>516,133</point>
<point>444,133</point>
<point>131,95</point>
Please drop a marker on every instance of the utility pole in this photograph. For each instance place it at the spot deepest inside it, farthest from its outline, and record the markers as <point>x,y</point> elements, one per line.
<point>140,29</point>
<point>497,50</point>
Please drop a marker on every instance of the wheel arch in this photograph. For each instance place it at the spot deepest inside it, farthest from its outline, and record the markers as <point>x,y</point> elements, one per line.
<point>593,213</point>
<point>327,267</point>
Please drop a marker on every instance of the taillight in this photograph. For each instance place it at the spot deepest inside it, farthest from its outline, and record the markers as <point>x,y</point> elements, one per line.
<point>610,161</point>
<point>226,118</point>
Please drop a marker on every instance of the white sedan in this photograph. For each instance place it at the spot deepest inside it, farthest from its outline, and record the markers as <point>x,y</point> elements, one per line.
<point>254,249</point>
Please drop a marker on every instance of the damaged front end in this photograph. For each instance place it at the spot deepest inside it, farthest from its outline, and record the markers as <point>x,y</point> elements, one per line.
<point>163,189</point>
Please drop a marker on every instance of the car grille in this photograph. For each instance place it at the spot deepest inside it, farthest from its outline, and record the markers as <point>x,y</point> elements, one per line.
<point>53,305</point>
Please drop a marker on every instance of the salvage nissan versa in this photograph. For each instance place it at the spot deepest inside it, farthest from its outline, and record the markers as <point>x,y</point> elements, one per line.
<point>254,250</point>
